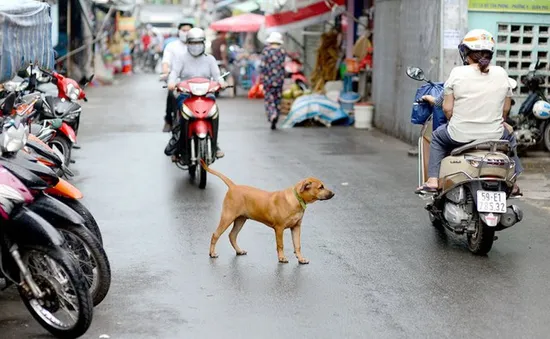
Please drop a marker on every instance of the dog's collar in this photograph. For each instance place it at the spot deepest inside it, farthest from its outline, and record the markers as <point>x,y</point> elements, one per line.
<point>300,199</point>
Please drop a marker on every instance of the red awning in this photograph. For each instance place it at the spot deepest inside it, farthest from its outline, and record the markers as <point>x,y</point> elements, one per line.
<point>304,16</point>
<point>241,23</point>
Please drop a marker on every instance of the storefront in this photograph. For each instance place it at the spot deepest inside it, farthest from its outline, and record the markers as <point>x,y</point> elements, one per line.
<point>522,33</point>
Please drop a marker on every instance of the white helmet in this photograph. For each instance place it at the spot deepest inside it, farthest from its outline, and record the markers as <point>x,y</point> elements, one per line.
<point>476,40</point>
<point>541,110</point>
<point>196,35</point>
<point>274,38</point>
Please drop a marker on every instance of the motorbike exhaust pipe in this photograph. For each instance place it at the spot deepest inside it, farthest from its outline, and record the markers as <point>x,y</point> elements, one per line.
<point>512,216</point>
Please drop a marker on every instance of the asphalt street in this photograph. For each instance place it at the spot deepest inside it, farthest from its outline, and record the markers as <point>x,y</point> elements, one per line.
<point>378,269</point>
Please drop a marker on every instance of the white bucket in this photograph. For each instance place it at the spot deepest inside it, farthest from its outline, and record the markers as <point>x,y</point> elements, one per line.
<point>364,113</point>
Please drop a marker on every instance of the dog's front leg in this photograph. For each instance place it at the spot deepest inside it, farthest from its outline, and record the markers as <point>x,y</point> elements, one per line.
<point>280,247</point>
<point>296,231</point>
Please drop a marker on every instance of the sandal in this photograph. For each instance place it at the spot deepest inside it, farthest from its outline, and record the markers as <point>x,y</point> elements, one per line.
<point>425,189</point>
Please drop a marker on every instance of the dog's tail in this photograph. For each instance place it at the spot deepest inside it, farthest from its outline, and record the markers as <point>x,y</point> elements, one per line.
<point>225,179</point>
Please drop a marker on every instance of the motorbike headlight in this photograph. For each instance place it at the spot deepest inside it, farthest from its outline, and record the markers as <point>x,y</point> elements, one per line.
<point>72,92</point>
<point>213,111</point>
<point>199,89</point>
<point>186,112</point>
<point>10,193</point>
<point>14,138</point>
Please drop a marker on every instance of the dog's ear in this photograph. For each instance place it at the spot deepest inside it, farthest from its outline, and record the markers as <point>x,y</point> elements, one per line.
<point>305,186</point>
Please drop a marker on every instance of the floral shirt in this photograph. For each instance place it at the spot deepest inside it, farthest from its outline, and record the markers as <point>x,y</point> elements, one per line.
<point>272,69</point>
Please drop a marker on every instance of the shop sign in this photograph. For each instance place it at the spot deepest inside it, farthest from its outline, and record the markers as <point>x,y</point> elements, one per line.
<point>516,6</point>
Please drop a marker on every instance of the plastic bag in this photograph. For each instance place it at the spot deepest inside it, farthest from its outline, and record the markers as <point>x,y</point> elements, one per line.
<point>422,111</point>
<point>256,91</point>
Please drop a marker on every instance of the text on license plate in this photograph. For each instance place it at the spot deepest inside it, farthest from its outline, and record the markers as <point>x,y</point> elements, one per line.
<point>491,202</point>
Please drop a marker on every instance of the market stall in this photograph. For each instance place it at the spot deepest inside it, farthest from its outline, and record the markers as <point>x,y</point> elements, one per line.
<point>25,37</point>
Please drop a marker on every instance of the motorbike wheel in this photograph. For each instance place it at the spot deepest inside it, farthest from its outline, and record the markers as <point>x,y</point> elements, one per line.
<point>192,171</point>
<point>65,290</point>
<point>546,137</point>
<point>481,241</point>
<point>64,146</point>
<point>201,172</point>
<point>89,221</point>
<point>435,222</point>
<point>91,257</point>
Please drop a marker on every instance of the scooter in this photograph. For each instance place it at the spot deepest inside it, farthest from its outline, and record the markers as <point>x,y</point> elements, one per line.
<point>294,70</point>
<point>198,132</point>
<point>39,179</point>
<point>476,181</point>
<point>532,123</point>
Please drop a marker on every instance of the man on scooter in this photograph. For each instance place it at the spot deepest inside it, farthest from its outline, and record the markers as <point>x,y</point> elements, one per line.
<point>194,63</point>
<point>174,50</point>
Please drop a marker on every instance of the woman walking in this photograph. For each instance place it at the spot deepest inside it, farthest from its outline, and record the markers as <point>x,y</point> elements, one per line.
<point>272,75</point>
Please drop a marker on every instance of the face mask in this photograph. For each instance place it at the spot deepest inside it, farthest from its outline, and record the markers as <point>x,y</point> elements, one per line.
<point>183,36</point>
<point>195,50</point>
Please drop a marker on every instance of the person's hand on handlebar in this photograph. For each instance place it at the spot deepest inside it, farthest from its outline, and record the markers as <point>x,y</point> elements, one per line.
<point>428,98</point>
<point>163,76</point>
<point>171,86</point>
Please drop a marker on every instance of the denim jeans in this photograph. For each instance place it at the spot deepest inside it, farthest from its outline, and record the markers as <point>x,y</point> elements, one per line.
<point>442,144</point>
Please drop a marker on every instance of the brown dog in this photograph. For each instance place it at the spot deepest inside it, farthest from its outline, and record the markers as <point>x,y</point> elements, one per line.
<point>279,210</point>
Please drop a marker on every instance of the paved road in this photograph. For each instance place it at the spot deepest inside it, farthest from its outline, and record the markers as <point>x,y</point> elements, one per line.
<point>377,268</point>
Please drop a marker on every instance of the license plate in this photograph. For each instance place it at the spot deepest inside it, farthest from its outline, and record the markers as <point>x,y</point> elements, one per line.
<point>491,202</point>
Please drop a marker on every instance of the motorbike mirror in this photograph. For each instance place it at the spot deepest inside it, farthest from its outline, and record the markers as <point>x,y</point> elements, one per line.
<point>416,73</point>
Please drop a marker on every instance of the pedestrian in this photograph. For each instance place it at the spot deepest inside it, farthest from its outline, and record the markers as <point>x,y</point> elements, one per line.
<point>272,76</point>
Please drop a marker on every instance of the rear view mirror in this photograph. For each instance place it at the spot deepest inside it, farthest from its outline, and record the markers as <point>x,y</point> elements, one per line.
<point>416,73</point>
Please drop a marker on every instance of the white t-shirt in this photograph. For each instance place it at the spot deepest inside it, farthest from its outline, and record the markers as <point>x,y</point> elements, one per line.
<point>478,102</point>
<point>174,49</point>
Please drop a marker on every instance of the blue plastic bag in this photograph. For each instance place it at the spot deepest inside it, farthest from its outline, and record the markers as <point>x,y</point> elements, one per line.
<point>422,111</point>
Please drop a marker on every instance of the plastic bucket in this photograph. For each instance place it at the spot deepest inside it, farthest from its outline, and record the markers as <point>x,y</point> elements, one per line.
<point>347,100</point>
<point>364,113</point>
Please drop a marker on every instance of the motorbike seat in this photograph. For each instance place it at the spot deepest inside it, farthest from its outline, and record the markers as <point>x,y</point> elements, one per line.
<point>484,145</point>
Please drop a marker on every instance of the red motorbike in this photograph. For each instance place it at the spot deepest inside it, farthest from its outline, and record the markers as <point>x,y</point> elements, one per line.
<point>198,127</point>
<point>294,70</point>
<point>62,106</point>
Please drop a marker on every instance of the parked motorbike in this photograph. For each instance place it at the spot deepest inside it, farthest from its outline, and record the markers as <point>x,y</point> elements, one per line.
<point>50,283</point>
<point>84,246</point>
<point>476,181</point>
<point>294,70</point>
<point>200,138</point>
<point>39,151</point>
<point>531,124</point>
<point>62,105</point>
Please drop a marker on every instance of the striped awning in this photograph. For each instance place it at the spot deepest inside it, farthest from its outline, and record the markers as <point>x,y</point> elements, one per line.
<point>25,36</point>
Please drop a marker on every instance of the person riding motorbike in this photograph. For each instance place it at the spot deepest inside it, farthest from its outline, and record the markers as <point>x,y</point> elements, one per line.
<point>195,63</point>
<point>477,98</point>
<point>173,50</point>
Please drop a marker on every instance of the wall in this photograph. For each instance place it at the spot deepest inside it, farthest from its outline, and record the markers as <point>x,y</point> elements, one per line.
<point>406,33</point>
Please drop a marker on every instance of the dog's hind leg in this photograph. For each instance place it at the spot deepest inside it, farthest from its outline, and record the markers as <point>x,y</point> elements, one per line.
<point>237,226</point>
<point>226,220</point>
